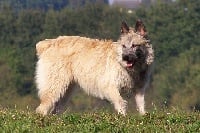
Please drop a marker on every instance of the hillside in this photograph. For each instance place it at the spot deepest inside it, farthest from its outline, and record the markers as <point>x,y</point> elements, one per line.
<point>173,30</point>
<point>165,121</point>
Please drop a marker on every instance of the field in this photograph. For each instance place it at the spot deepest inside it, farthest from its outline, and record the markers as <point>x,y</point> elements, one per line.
<point>13,120</point>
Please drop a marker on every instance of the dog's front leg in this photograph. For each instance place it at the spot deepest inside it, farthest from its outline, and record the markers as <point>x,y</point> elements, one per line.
<point>114,97</point>
<point>140,103</point>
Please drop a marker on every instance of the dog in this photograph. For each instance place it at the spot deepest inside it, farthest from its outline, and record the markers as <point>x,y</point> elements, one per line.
<point>102,68</point>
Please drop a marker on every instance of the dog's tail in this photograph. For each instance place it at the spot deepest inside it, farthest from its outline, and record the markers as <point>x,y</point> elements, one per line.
<point>42,46</point>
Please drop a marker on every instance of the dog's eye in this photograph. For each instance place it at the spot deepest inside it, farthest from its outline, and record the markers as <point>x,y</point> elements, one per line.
<point>133,45</point>
<point>123,46</point>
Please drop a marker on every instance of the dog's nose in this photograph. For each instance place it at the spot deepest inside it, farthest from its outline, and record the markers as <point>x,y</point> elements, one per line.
<point>129,57</point>
<point>125,57</point>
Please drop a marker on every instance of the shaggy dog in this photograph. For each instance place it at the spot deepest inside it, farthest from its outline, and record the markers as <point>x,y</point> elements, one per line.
<point>101,68</point>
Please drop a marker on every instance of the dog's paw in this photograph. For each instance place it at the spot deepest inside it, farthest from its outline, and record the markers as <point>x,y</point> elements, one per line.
<point>41,110</point>
<point>142,111</point>
<point>123,107</point>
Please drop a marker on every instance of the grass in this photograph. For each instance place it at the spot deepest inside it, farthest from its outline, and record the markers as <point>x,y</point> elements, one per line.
<point>12,120</point>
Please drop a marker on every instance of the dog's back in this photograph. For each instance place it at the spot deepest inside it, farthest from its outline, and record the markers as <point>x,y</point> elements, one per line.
<point>72,43</point>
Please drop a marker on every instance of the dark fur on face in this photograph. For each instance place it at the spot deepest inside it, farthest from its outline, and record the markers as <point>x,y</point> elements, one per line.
<point>135,45</point>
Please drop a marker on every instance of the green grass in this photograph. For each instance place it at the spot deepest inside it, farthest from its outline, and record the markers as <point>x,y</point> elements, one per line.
<point>163,121</point>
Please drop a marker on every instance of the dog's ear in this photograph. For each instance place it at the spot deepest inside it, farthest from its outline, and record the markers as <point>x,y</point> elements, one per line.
<point>124,27</point>
<point>140,28</point>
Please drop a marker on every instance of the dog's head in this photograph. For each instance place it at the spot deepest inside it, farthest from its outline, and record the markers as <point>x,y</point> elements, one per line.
<point>135,47</point>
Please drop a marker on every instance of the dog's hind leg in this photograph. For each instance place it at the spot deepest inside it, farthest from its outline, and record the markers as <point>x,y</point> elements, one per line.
<point>52,82</point>
<point>49,98</point>
<point>60,105</point>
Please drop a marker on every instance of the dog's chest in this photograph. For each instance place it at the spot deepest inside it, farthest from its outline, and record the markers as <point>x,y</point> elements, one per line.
<point>138,73</point>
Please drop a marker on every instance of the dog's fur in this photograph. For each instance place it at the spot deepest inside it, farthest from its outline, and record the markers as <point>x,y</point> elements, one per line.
<point>101,68</point>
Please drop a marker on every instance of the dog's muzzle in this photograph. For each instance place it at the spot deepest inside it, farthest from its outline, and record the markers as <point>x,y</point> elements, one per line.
<point>130,60</point>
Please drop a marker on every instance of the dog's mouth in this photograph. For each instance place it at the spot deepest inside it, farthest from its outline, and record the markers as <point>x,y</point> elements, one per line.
<point>128,61</point>
<point>129,64</point>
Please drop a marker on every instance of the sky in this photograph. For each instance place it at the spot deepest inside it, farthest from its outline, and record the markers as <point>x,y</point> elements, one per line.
<point>111,1</point>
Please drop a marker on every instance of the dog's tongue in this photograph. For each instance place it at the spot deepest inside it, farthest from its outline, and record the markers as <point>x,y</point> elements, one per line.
<point>129,65</point>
